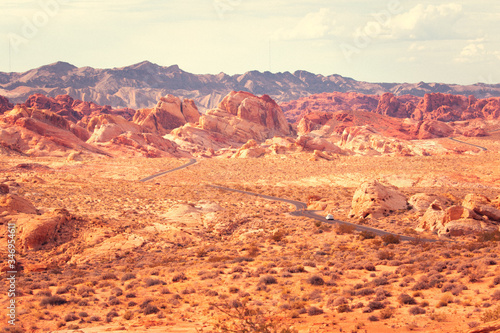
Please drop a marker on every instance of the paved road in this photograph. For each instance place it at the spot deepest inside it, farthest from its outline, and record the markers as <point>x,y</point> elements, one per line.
<point>191,162</point>
<point>301,208</point>
<point>470,144</point>
<point>301,211</point>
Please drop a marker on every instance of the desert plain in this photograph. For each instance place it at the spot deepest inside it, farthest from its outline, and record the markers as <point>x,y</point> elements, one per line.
<point>174,254</point>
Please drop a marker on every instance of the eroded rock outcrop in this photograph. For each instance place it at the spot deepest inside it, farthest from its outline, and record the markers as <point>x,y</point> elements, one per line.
<point>169,113</point>
<point>5,105</point>
<point>376,200</point>
<point>482,206</point>
<point>458,220</point>
<point>242,116</point>
<point>34,232</point>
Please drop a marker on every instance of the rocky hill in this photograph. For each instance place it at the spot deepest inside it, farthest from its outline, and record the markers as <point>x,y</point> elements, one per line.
<point>434,106</point>
<point>141,85</point>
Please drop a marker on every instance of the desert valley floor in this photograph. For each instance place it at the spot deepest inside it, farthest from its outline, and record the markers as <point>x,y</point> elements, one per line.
<point>176,255</point>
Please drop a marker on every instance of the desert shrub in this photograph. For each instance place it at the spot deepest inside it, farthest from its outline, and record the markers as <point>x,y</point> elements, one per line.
<point>316,280</point>
<point>365,292</point>
<point>406,299</point>
<point>247,319</point>
<point>387,313</point>
<point>109,276</point>
<point>296,269</point>
<point>94,318</point>
<point>416,310</point>
<point>380,281</point>
<point>496,295</point>
<point>375,305</point>
<point>83,314</point>
<point>76,281</point>
<point>45,292</point>
<point>130,295</point>
<point>64,290</point>
<point>366,235</point>
<point>370,267</point>
<point>278,236</point>
<point>314,311</point>
<point>113,301</point>
<point>496,280</point>
<point>151,309</point>
<point>179,277</point>
<point>391,239</point>
<point>491,315</point>
<point>343,308</point>
<point>337,301</point>
<point>85,291</point>
<point>128,276</point>
<point>445,300</point>
<point>237,269</point>
<point>128,315</point>
<point>117,291</point>
<point>53,300</point>
<point>111,314</point>
<point>385,255</point>
<point>153,282</point>
<point>373,318</point>
<point>473,324</point>
<point>493,236</point>
<point>268,279</point>
<point>71,317</point>
<point>344,229</point>
<point>309,263</point>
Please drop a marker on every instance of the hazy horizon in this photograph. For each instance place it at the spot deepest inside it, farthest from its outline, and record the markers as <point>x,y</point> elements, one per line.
<point>393,41</point>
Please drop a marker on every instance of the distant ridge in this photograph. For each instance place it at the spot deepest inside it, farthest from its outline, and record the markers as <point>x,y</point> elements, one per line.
<point>142,84</point>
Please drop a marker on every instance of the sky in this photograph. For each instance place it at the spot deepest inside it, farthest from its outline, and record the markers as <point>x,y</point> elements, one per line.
<point>375,41</point>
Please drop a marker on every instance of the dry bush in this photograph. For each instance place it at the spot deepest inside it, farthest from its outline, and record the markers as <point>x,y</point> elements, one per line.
<point>316,280</point>
<point>53,300</point>
<point>342,229</point>
<point>314,311</point>
<point>268,279</point>
<point>385,255</point>
<point>491,315</point>
<point>406,299</point>
<point>247,319</point>
<point>128,276</point>
<point>153,282</point>
<point>391,239</point>
<point>416,310</point>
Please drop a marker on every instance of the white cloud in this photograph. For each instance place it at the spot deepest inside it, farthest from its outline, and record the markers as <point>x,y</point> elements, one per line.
<point>314,25</point>
<point>475,52</point>
<point>429,22</point>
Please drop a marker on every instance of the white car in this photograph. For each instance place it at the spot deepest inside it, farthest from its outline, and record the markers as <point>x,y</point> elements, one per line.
<point>329,217</point>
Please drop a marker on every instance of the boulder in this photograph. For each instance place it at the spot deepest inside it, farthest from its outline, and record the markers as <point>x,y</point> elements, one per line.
<point>376,200</point>
<point>4,189</point>
<point>421,201</point>
<point>433,217</point>
<point>482,206</point>
<point>33,232</point>
<point>251,149</point>
<point>314,143</point>
<point>465,227</point>
<point>5,105</point>
<point>452,221</point>
<point>14,204</point>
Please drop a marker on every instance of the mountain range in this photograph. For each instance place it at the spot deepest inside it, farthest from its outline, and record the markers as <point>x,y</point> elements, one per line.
<point>143,84</point>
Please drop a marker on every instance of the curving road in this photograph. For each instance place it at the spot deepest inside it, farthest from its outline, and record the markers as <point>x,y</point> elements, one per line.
<point>191,162</point>
<point>470,144</point>
<point>301,211</point>
<point>301,208</point>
